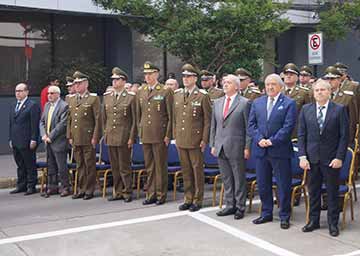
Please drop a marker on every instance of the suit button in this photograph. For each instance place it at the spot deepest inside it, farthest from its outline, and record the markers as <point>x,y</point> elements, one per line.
<point>75,114</point>
<point>183,121</point>
<point>114,120</point>
<point>76,108</point>
<point>114,107</point>
<point>183,128</point>
<point>149,109</point>
<point>149,116</point>
<point>114,127</point>
<point>197,132</point>
<point>148,103</point>
<point>75,126</point>
<point>75,120</point>
<point>149,122</point>
<point>114,114</point>
<point>184,113</point>
<point>85,114</point>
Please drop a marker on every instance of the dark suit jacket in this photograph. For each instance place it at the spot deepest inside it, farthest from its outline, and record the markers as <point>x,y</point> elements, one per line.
<point>24,125</point>
<point>230,133</point>
<point>278,128</point>
<point>333,141</point>
<point>57,134</point>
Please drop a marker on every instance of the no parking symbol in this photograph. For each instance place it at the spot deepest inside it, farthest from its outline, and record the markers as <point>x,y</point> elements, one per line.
<point>315,48</point>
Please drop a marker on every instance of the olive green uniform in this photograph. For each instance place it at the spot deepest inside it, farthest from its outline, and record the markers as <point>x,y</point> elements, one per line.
<point>250,93</point>
<point>119,119</point>
<point>215,93</point>
<point>84,124</point>
<point>192,118</point>
<point>154,114</point>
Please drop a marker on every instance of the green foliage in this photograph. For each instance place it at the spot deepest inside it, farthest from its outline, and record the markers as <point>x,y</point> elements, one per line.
<point>216,35</point>
<point>339,17</point>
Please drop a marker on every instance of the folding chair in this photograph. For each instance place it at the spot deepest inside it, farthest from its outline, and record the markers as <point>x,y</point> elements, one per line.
<point>174,167</point>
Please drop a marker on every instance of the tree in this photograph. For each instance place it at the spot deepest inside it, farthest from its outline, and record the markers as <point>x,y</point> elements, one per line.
<point>337,18</point>
<point>216,35</point>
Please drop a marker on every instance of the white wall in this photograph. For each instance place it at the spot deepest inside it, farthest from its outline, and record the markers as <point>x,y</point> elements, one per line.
<point>60,5</point>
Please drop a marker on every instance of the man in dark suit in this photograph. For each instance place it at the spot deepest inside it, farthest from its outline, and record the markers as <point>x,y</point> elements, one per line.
<point>53,130</point>
<point>23,139</point>
<point>323,138</point>
<point>271,122</point>
<point>230,143</point>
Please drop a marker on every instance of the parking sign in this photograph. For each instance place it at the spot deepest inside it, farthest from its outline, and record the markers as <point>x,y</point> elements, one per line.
<point>315,48</point>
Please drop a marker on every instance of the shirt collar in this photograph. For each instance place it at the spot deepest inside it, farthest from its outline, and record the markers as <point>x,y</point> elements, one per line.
<point>231,97</point>
<point>325,105</point>
<point>23,100</point>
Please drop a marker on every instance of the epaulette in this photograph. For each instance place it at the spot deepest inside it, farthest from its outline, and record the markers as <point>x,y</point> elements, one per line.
<point>132,93</point>
<point>93,94</point>
<point>349,93</point>
<point>304,88</point>
<point>179,90</point>
<point>203,91</point>
<point>106,93</point>
<point>70,95</point>
<point>255,90</point>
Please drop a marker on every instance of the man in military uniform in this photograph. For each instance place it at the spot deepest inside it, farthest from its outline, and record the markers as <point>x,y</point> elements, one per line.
<point>305,76</point>
<point>119,119</point>
<point>245,90</point>
<point>208,83</point>
<point>70,87</point>
<point>83,132</point>
<point>291,89</point>
<point>192,119</point>
<point>344,97</point>
<point>154,114</point>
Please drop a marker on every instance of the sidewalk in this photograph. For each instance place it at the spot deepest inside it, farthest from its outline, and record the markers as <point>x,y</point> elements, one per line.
<point>8,170</point>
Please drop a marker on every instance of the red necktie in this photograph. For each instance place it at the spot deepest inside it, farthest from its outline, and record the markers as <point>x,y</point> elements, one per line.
<point>227,105</point>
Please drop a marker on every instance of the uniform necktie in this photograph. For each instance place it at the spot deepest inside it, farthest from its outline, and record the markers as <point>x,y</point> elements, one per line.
<point>50,113</point>
<point>270,107</point>
<point>17,106</point>
<point>227,105</point>
<point>116,96</point>
<point>187,94</point>
<point>332,95</point>
<point>287,92</point>
<point>320,118</point>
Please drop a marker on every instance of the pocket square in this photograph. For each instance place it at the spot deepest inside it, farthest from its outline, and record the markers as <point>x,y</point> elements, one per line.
<point>280,107</point>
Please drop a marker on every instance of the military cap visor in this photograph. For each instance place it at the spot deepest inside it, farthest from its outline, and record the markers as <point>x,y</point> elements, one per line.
<point>206,78</point>
<point>242,73</point>
<point>117,76</point>
<point>290,70</point>
<point>331,75</point>
<point>69,83</point>
<point>189,73</point>
<point>80,77</point>
<point>305,73</point>
<point>150,68</point>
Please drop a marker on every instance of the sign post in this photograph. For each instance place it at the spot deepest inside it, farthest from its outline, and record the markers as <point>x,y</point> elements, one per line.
<point>315,49</point>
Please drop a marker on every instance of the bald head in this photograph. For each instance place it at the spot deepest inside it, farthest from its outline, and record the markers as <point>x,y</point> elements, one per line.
<point>172,84</point>
<point>21,91</point>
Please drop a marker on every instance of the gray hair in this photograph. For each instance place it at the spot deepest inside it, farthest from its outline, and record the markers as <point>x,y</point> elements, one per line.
<point>323,83</point>
<point>276,77</point>
<point>235,79</point>
<point>54,88</point>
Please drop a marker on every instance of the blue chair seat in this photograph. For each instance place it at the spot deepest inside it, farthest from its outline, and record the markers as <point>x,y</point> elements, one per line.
<point>250,176</point>
<point>71,165</point>
<point>342,189</point>
<point>211,171</point>
<point>41,164</point>
<point>102,167</point>
<point>294,182</point>
<point>173,169</point>
<point>137,167</point>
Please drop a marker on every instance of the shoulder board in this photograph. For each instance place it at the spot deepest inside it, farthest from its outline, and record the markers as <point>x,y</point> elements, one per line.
<point>348,93</point>
<point>93,94</point>
<point>70,95</point>
<point>179,90</point>
<point>106,93</point>
<point>255,91</point>
<point>132,93</point>
<point>203,91</point>
<point>304,88</point>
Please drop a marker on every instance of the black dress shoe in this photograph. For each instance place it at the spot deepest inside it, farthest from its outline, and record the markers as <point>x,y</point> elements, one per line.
<point>226,212</point>
<point>88,196</point>
<point>194,207</point>
<point>333,230</point>
<point>284,224</point>
<point>311,226</point>
<point>160,202</point>
<point>239,214</point>
<point>149,201</point>
<point>30,191</point>
<point>262,220</point>
<point>115,198</point>
<point>128,199</point>
<point>77,196</point>
<point>17,190</point>
<point>184,206</point>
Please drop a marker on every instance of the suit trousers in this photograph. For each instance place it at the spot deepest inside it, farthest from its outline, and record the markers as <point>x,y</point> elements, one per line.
<point>57,167</point>
<point>318,175</point>
<point>85,157</point>
<point>155,156</point>
<point>25,159</point>
<point>281,167</point>
<point>192,166</point>
<point>120,159</point>
<point>234,179</point>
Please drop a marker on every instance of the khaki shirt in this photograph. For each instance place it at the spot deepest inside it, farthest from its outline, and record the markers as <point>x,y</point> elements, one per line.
<point>301,95</point>
<point>192,118</point>
<point>84,120</point>
<point>154,113</point>
<point>119,118</point>
<point>215,93</point>
<point>251,93</point>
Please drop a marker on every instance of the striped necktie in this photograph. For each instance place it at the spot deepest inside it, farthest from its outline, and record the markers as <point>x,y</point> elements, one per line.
<point>320,118</point>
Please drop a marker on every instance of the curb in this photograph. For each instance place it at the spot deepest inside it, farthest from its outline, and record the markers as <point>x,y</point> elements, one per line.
<point>7,182</point>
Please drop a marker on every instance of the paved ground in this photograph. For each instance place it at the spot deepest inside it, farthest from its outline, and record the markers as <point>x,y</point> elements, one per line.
<point>62,226</point>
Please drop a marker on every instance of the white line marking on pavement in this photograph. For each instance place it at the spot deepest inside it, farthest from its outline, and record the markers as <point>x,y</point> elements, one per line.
<point>354,253</point>
<point>242,235</point>
<point>17,239</point>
